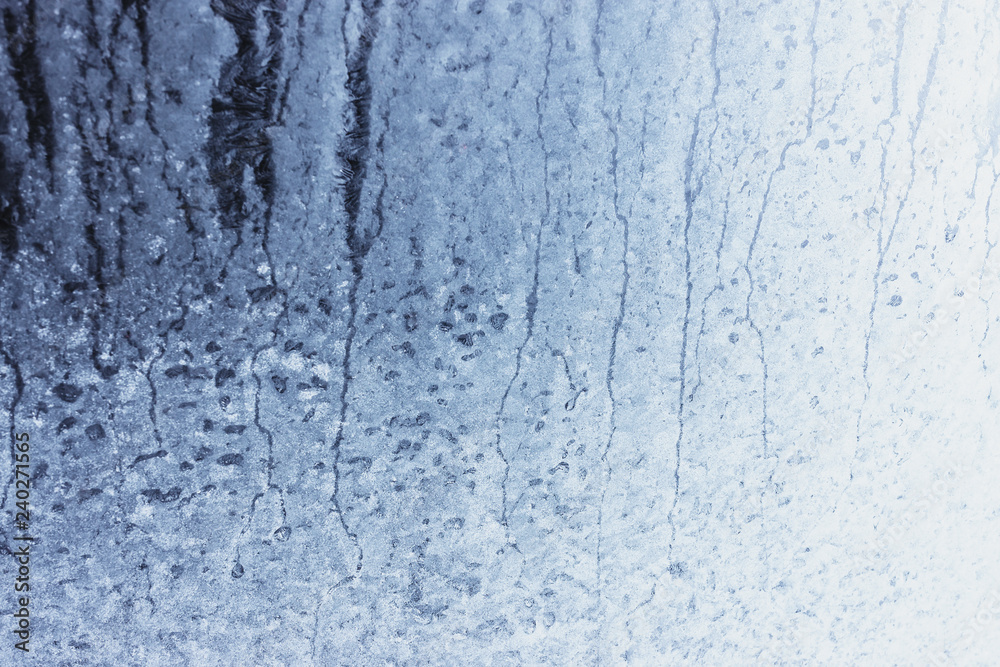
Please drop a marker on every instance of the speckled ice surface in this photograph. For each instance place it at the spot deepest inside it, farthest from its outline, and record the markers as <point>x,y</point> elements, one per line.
<point>502,333</point>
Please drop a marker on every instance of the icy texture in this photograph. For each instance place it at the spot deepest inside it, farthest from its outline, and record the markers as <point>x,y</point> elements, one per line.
<point>503,333</point>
